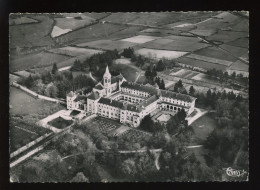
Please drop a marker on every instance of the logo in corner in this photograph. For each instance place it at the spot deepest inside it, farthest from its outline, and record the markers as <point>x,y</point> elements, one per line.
<point>234,173</point>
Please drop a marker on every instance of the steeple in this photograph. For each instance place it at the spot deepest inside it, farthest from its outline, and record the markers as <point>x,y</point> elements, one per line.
<point>107,73</point>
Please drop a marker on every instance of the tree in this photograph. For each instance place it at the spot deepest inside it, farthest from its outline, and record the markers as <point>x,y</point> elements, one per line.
<point>147,124</point>
<point>181,114</point>
<point>54,69</point>
<point>128,167</point>
<point>80,177</point>
<point>51,90</point>
<point>160,66</point>
<point>192,91</point>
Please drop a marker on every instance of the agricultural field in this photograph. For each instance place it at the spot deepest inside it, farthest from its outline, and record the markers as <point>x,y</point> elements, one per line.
<point>240,66</point>
<point>21,20</point>
<point>236,51</point>
<point>13,78</point>
<point>91,33</point>
<point>183,38</point>
<point>23,73</point>
<point>201,64</point>
<point>185,73</point>
<point>241,42</point>
<point>211,23</point>
<point>159,32</point>
<point>31,35</point>
<point>126,61</point>
<point>204,32</point>
<point>36,60</point>
<point>214,52</point>
<point>174,45</point>
<point>140,39</point>
<point>74,51</point>
<point>226,36</point>
<point>107,44</point>
<point>96,15</point>
<point>242,26</point>
<point>209,59</point>
<point>69,23</point>
<point>159,54</point>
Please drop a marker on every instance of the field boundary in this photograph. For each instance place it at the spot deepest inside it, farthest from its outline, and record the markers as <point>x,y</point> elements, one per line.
<point>34,94</point>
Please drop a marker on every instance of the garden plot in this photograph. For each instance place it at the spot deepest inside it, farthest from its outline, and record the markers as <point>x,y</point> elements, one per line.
<point>201,64</point>
<point>21,20</point>
<point>214,52</point>
<point>241,42</point>
<point>140,39</point>
<point>227,36</point>
<point>75,51</point>
<point>108,44</point>
<point>159,54</point>
<point>236,51</point>
<point>209,59</point>
<point>36,60</point>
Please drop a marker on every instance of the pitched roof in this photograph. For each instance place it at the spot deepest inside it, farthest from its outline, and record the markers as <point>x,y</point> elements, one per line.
<point>99,86</point>
<point>70,94</point>
<point>93,96</point>
<point>140,87</point>
<point>111,102</point>
<point>80,97</point>
<point>175,95</point>
<point>149,100</point>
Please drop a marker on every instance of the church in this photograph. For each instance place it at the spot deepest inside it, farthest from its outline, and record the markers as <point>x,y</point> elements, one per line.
<point>128,102</point>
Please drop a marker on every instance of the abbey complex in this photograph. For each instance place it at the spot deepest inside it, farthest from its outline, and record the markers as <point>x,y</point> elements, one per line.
<point>128,102</point>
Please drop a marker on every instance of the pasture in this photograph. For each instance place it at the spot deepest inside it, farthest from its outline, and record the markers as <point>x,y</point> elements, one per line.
<point>209,59</point>
<point>236,51</point>
<point>140,39</point>
<point>159,32</point>
<point>36,60</point>
<point>107,44</point>
<point>75,51</point>
<point>204,32</point>
<point>21,20</point>
<point>159,54</point>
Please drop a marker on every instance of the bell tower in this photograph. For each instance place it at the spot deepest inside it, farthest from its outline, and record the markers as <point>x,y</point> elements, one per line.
<point>107,81</point>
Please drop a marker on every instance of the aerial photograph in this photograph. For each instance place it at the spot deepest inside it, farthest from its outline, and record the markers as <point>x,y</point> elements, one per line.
<point>129,97</point>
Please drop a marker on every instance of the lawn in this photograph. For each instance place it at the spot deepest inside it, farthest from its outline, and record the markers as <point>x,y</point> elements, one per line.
<point>202,128</point>
<point>36,60</point>
<point>158,54</point>
<point>60,123</point>
<point>75,51</point>
<point>30,35</point>
<point>108,44</point>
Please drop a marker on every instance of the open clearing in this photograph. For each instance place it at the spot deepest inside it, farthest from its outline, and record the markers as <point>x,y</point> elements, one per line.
<point>140,39</point>
<point>36,60</point>
<point>107,44</point>
<point>159,54</point>
<point>75,51</point>
<point>21,20</point>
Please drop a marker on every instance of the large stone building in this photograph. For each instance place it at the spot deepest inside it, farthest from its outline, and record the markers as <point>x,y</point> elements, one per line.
<point>128,102</point>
